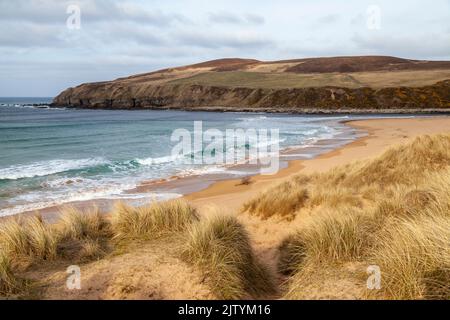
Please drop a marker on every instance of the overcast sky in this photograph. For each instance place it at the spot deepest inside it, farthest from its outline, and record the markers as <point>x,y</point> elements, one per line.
<point>40,55</point>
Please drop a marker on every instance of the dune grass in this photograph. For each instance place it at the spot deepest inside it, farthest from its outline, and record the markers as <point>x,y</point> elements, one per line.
<point>10,284</point>
<point>402,166</point>
<point>392,211</point>
<point>42,239</point>
<point>14,238</point>
<point>411,247</point>
<point>415,257</point>
<point>218,246</point>
<point>221,247</point>
<point>153,220</point>
<point>289,197</point>
<point>78,225</point>
<point>29,238</point>
<point>331,236</point>
<point>82,235</point>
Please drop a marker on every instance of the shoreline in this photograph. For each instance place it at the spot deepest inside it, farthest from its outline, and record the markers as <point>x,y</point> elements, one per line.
<point>232,194</point>
<point>281,110</point>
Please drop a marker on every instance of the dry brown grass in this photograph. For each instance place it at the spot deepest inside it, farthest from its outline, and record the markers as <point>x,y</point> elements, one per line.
<point>27,242</point>
<point>83,235</point>
<point>14,238</point>
<point>332,236</point>
<point>9,283</point>
<point>285,200</point>
<point>43,240</point>
<point>220,246</point>
<point>78,225</point>
<point>393,211</point>
<point>153,220</point>
<point>410,244</point>
<point>414,256</point>
<point>29,238</point>
<point>400,167</point>
<point>91,249</point>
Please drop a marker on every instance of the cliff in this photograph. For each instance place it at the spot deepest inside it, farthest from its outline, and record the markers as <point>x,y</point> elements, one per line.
<point>352,84</point>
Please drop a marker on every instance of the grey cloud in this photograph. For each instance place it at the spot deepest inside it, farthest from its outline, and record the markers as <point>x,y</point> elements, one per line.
<point>231,18</point>
<point>32,35</point>
<point>328,19</point>
<point>216,41</point>
<point>255,19</point>
<point>113,33</point>
<point>43,23</point>
<point>92,11</point>
<point>28,35</point>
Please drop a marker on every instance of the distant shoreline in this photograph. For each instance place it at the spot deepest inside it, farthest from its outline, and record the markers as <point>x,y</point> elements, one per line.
<point>304,111</point>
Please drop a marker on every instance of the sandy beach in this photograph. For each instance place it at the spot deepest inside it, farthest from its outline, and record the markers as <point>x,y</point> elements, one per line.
<point>382,133</point>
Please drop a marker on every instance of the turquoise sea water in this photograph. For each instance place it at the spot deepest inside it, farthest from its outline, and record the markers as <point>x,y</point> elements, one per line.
<point>54,156</point>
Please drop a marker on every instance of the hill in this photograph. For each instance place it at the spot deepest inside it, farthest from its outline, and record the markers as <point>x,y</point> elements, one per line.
<point>340,84</point>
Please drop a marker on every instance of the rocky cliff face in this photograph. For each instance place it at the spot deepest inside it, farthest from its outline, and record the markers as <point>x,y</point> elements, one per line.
<point>159,91</point>
<point>206,97</point>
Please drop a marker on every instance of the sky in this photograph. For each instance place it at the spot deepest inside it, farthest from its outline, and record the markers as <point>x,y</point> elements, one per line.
<point>47,46</point>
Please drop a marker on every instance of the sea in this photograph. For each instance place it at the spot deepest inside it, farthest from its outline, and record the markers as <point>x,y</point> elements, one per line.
<point>53,156</point>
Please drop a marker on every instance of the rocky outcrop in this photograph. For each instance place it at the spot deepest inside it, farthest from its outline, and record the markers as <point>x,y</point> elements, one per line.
<point>197,97</point>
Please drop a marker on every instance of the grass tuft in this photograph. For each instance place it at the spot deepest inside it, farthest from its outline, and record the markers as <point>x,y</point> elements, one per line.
<point>14,239</point>
<point>288,198</point>
<point>220,246</point>
<point>414,256</point>
<point>153,220</point>
<point>78,225</point>
<point>28,238</point>
<point>43,240</point>
<point>9,283</point>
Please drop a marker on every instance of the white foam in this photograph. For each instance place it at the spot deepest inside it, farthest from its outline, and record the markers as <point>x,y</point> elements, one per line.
<point>202,171</point>
<point>109,194</point>
<point>253,118</point>
<point>160,160</point>
<point>45,168</point>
